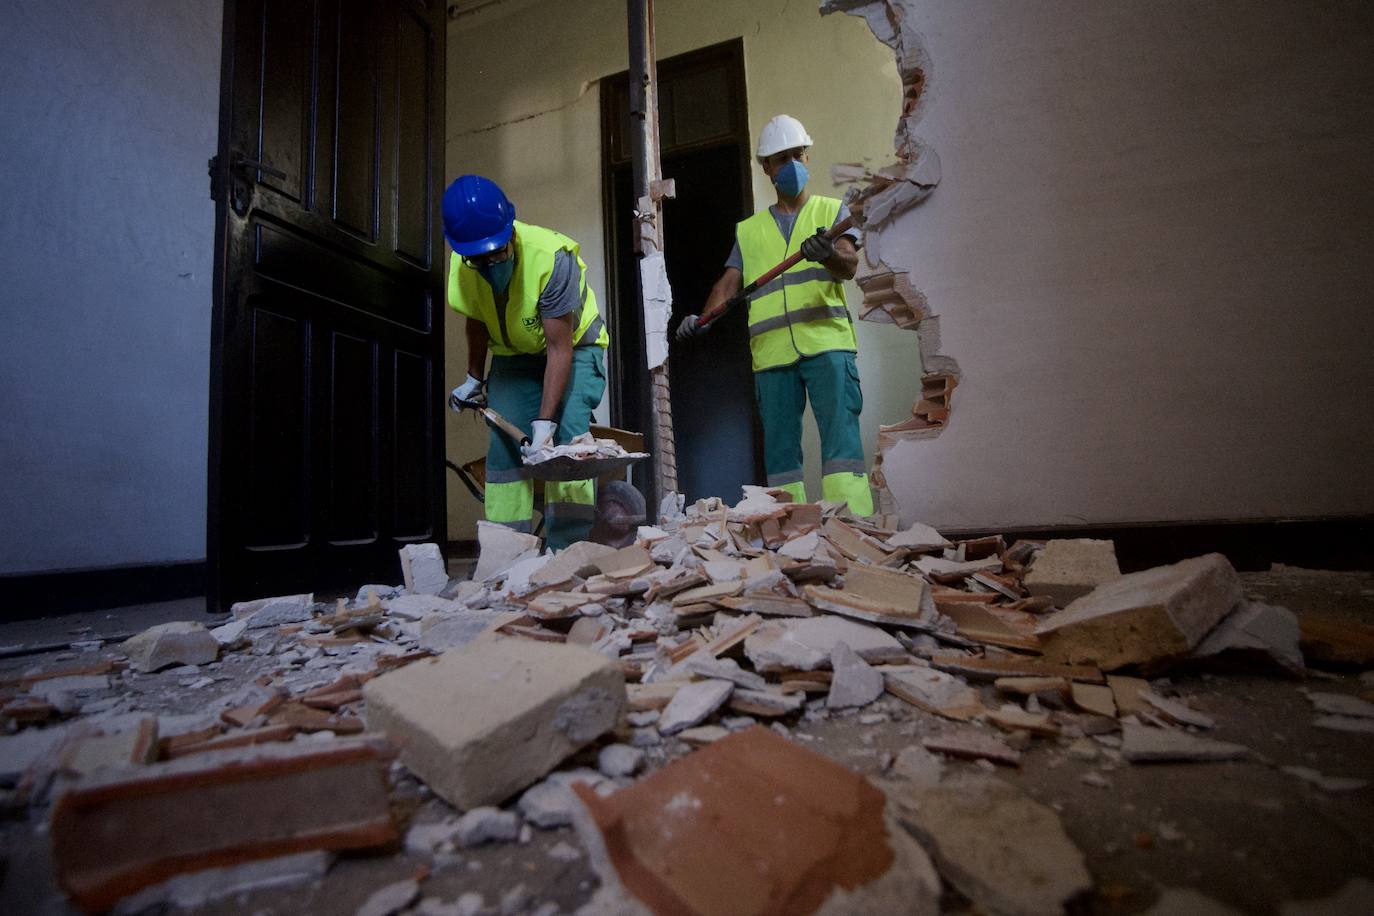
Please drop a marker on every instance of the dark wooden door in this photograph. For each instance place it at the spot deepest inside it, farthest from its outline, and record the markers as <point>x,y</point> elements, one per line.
<point>704,139</point>
<point>326,431</point>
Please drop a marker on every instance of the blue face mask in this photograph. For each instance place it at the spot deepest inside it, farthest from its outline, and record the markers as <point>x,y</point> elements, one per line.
<point>791,178</point>
<point>498,274</point>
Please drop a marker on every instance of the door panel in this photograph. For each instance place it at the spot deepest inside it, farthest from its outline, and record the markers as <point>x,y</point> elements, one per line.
<point>326,413</point>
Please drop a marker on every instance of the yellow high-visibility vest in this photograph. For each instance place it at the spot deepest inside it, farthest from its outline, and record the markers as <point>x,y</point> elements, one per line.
<point>803,311</point>
<point>517,327</point>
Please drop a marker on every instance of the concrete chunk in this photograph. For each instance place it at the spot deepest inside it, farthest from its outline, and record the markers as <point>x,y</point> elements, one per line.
<point>181,642</point>
<point>1143,617</point>
<point>482,722</point>
<point>1003,850</point>
<point>422,567</point>
<point>1069,568</point>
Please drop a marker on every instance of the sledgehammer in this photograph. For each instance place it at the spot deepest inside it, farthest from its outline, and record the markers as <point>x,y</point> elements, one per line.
<point>499,422</point>
<point>743,295</point>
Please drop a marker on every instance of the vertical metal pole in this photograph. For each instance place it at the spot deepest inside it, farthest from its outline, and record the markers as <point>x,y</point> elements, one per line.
<point>650,189</point>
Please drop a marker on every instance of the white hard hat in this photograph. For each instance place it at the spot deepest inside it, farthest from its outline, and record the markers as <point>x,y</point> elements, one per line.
<point>783,132</point>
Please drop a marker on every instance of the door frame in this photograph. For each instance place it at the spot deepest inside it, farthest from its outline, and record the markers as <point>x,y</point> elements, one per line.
<point>731,53</point>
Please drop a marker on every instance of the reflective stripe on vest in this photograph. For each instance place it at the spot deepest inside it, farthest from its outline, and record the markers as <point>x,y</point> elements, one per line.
<point>803,312</point>
<point>515,327</point>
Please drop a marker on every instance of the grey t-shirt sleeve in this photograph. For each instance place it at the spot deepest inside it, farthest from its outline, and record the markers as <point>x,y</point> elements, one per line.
<point>562,294</point>
<point>736,260</point>
<point>852,233</point>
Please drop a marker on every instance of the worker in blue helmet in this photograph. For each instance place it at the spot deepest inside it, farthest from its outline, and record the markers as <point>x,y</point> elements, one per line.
<point>523,291</point>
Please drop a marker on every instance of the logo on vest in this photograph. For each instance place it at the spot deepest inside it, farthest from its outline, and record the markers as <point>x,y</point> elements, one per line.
<point>531,323</point>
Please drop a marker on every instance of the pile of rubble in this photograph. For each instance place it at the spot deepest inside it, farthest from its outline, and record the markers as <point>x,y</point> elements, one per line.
<point>671,673</point>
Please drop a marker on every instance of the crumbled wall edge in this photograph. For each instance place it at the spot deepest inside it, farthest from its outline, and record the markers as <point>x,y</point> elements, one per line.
<point>878,197</point>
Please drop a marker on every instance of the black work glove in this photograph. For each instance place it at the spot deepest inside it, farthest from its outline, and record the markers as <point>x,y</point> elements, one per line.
<point>818,248</point>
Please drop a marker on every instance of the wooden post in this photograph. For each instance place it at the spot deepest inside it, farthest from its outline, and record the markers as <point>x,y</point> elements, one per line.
<point>650,191</point>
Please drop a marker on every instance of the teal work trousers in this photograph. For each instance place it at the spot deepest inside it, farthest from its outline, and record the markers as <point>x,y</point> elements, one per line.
<point>831,381</point>
<point>515,387</point>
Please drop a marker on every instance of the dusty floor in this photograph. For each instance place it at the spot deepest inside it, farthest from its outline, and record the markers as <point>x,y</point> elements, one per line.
<point>1244,833</point>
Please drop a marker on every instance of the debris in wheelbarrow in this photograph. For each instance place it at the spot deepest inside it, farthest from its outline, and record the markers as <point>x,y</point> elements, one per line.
<point>584,457</point>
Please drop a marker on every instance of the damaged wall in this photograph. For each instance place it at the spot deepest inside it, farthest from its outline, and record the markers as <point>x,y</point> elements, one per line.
<point>1150,255</point>
<point>106,245</point>
<point>524,109</point>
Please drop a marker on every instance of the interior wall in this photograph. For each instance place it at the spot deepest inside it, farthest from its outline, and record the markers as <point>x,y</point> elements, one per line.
<point>523,108</point>
<point>1150,252</point>
<point>108,113</point>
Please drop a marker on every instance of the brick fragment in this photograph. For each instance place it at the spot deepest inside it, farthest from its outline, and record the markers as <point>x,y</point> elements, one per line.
<point>117,832</point>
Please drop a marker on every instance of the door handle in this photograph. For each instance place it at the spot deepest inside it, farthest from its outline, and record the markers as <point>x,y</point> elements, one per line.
<point>240,161</point>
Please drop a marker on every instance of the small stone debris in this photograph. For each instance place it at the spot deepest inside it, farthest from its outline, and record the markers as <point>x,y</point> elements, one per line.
<point>1325,783</point>
<point>390,899</point>
<point>273,612</point>
<point>855,683</point>
<point>639,660</point>
<point>486,824</point>
<point>933,691</point>
<point>1256,636</point>
<point>181,642</point>
<point>918,765</point>
<point>616,760</point>
<point>1341,704</point>
<point>423,569</point>
<point>1143,744</point>
<point>1176,712</point>
<point>692,704</point>
<point>1345,724</point>
<point>972,745</point>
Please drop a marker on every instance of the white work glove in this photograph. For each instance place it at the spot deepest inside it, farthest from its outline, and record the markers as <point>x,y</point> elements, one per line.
<point>474,391</point>
<point>691,327</point>
<point>541,436</point>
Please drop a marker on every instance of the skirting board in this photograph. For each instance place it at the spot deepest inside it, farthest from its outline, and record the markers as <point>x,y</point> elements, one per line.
<point>48,594</point>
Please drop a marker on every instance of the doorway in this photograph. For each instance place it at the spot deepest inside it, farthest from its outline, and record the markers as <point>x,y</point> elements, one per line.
<point>704,141</point>
<point>327,342</point>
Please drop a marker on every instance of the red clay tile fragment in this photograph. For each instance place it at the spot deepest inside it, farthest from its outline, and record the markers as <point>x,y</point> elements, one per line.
<point>751,824</point>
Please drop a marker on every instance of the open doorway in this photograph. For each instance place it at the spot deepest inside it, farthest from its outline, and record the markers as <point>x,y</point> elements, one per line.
<point>704,140</point>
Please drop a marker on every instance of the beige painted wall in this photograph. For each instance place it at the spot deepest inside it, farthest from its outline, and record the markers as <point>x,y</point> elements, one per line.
<point>524,109</point>
<point>1150,250</point>
<point>1153,257</point>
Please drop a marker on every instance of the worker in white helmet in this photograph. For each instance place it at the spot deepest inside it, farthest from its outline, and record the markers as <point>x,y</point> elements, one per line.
<point>801,335</point>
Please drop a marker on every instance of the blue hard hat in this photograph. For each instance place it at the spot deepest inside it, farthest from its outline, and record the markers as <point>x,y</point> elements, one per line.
<point>477,216</point>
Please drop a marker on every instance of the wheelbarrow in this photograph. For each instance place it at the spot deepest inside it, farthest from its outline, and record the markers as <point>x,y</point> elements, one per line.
<point>620,508</point>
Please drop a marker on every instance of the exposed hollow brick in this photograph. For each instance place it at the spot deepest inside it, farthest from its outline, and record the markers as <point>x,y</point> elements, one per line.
<point>889,297</point>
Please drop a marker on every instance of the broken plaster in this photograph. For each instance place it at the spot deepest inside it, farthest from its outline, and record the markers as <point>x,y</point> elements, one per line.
<point>889,296</point>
